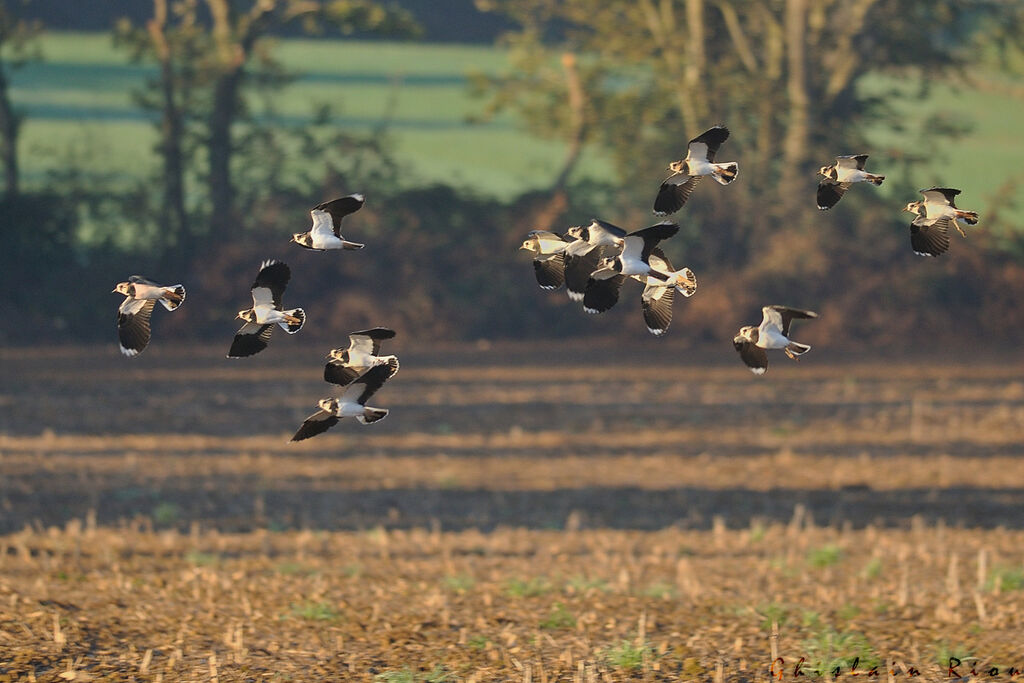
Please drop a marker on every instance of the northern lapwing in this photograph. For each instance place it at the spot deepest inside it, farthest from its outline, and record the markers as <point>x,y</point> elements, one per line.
<point>266,311</point>
<point>938,204</point>
<point>326,230</point>
<point>657,296</point>
<point>548,249</point>
<point>587,246</point>
<point>351,403</point>
<point>134,312</point>
<point>772,333</point>
<point>840,176</point>
<point>606,281</point>
<point>344,365</point>
<point>686,173</point>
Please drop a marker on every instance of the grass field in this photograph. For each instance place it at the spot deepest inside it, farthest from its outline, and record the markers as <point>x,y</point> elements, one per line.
<point>79,106</point>
<point>518,517</point>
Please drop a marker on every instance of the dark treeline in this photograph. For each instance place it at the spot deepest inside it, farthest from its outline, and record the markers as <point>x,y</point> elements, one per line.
<point>635,80</point>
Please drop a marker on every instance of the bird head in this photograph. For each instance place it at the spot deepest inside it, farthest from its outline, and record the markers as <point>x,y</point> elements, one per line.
<point>126,288</point>
<point>248,316</point>
<point>748,333</point>
<point>828,172</point>
<point>914,207</point>
<point>339,355</point>
<point>677,166</point>
<point>528,245</point>
<point>303,238</point>
<point>578,232</point>
<point>328,405</point>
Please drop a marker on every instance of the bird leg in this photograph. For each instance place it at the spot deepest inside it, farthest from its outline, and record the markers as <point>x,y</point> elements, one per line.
<point>959,229</point>
<point>791,355</point>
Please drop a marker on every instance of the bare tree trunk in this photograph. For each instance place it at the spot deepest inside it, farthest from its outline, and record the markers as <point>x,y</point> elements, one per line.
<point>662,26</point>
<point>9,125</point>
<point>794,146</point>
<point>173,217</point>
<point>548,213</point>
<point>695,57</point>
<point>220,148</point>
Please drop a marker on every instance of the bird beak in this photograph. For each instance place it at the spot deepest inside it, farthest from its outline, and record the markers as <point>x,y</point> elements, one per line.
<point>114,290</point>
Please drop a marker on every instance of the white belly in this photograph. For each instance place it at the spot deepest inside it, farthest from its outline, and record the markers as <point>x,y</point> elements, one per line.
<point>266,315</point>
<point>326,241</point>
<point>938,210</point>
<point>850,175</point>
<point>699,166</point>
<point>148,292</point>
<point>770,339</point>
<point>349,410</point>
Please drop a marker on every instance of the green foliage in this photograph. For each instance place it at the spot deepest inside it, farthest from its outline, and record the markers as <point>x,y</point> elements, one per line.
<point>438,674</point>
<point>315,611</point>
<point>825,556</point>
<point>628,656</point>
<point>459,582</point>
<point>166,513</point>
<point>873,569</point>
<point>201,559</point>
<point>828,649</point>
<point>558,618</point>
<point>1008,578</point>
<point>772,612</point>
<point>527,588</point>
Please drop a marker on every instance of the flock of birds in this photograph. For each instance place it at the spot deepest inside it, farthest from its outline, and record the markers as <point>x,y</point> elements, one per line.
<point>594,261</point>
<point>360,368</point>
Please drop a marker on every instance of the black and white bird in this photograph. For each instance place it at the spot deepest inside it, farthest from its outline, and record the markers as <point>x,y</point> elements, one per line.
<point>657,296</point>
<point>326,230</point>
<point>772,333</point>
<point>351,403</point>
<point>939,204</point>
<point>134,312</point>
<point>587,246</point>
<point>603,289</point>
<point>686,173</point>
<point>344,365</point>
<point>840,176</point>
<point>266,311</point>
<point>548,249</point>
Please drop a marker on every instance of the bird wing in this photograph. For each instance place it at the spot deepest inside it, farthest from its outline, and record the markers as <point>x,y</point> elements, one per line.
<point>369,341</point>
<point>133,324</point>
<point>658,261</point>
<point>829,193</point>
<point>270,284</point>
<point>578,270</point>
<point>317,423</point>
<point>754,356</point>
<point>250,339</point>
<point>940,195</point>
<point>930,238</point>
<point>782,316</point>
<point>674,192</point>
<point>140,280</point>
<point>550,271</point>
<point>657,307</point>
<point>604,232</point>
<point>367,385</point>
<point>649,238</point>
<point>321,222</point>
<point>339,208</point>
<point>601,295</point>
<point>337,372</point>
<point>852,161</point>
<point>706,144</point>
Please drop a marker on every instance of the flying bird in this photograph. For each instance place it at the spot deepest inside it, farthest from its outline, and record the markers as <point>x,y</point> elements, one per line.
<point>587,246</point>
<point>344,365</point>
<point>351,403</point>
<point>840,176</point>
<point>603,288</point>
<point>326,230</point>
<point>938,204</point>
<point>686,173</point>
<point>266,311</point>
<point>657,296</point>
<point>134,312</point>
<point>772,333</point>
<point>548,249</point>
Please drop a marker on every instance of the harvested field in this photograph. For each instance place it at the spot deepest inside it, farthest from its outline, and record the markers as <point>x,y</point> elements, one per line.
<point>511,520</point>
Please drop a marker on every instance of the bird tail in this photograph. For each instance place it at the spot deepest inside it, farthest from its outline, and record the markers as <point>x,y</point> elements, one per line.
<point>172,297</point>
<point>726,173</point>
<point>292,328</point>
<point>876,179</point>
<point>968,217</point>
<point>345,244</point>
<point>794,349</point>
<point>687,285</point>
<point>371,415</point>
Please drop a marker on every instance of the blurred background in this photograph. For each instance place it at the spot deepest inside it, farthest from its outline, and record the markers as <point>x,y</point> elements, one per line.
<point>186,140</point>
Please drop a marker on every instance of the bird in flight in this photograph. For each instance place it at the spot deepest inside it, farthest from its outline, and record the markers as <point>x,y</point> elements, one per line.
<point>773,333</point>
<point>840,176</point>
<point>345,365</point>
<point>134,312</point>
<point>326,230</point>
<point>351,403</point>
<point>686,173</point>
<point>266,311</point>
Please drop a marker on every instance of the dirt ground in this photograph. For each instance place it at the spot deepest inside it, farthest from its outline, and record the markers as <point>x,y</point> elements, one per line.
<point>526,514</point>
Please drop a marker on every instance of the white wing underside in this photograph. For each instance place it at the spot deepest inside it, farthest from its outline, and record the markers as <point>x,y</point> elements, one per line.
<point>262,296</point>
<point>322,224</point>
<point>360,344</point>
<point>131,306</point>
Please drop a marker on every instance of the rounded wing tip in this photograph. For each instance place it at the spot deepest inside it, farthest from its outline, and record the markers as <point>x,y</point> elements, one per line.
<point>130,353</point>
<point>758,371</point>
<point>358,196</point>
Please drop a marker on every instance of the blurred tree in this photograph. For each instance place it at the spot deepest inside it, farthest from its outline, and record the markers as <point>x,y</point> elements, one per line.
<point>17,45</point>
<point>205,67</point>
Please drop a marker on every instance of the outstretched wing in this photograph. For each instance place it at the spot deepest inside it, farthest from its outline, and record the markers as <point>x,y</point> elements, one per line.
<point>270,284</point>
<point>940,195</point>
<point>754,356</point>
<point>674,192</point>
<point>369,341</point>
<point>852,161</point>
<point>133,324</point>
<point>367,385</point>
<point>830,193</point>
<point>657,306</point>
<point>550,271</point>
<point>640,243</point>
<point>706,145</point>
<point>930,240</point>
<point>321,222</point>
<point>781,317</point>
<point>577,272</point>
<point>601,295</point>
<point>250,339</point>
<point>339,208</point>
<point>317,423</point>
